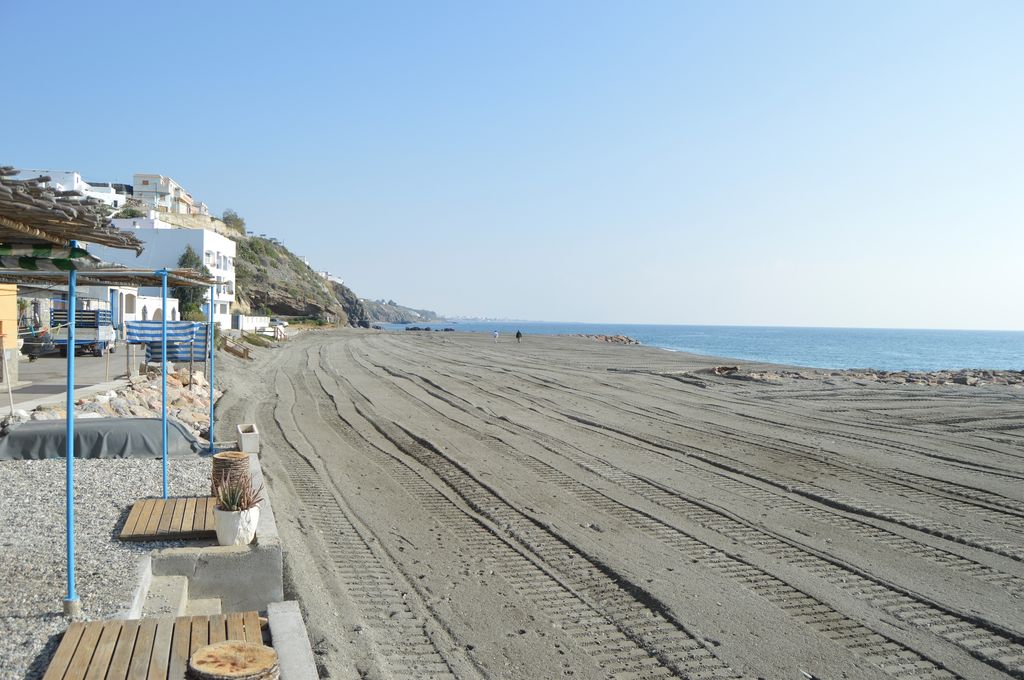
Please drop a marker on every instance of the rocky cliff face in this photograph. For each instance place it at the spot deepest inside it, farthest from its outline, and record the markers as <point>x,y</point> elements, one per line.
<point>353,306</point>
<point>270,278</point>
<point>381,311</point>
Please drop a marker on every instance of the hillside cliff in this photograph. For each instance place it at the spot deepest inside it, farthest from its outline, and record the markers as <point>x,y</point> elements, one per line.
<point>270,279</point>
<point>353,306</point>
<point>381,311</point>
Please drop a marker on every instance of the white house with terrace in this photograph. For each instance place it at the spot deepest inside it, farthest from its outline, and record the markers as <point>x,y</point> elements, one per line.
<point>165,244</point>
<point>114,195</point>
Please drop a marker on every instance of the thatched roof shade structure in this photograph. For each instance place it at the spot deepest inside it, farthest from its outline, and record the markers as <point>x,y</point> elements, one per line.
<point>104,274</point>
<point>33,214</point>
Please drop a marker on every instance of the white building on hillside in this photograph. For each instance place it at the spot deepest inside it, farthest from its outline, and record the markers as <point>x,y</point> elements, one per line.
<point>164,245</point>
<point>163,194</point>
<point>112,194</point>
<point>331,277</point>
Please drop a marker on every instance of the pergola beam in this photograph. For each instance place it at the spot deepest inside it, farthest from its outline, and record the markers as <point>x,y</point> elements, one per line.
<point>25,229</point>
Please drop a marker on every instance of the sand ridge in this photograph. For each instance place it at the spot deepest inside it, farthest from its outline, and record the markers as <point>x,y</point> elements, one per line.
<point>455,507</point>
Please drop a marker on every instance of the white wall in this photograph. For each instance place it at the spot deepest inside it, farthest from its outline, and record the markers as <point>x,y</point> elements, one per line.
<point>148,307</point>
<point>252,323</point>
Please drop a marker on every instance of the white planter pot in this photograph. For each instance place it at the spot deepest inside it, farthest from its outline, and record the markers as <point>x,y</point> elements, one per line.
<point>236,527</point>
<point>248,438</point>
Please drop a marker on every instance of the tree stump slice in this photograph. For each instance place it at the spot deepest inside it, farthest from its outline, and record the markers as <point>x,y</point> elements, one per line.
<point>234,660</point>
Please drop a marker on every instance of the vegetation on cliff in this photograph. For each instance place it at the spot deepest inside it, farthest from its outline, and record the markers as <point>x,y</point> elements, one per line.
<point>269,278</point>
<point>272,280</point>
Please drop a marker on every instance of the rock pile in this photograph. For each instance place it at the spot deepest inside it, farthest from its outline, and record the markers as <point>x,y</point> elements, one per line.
<point>617,339</point>
<point>967,377</point>
<point>188,401</point>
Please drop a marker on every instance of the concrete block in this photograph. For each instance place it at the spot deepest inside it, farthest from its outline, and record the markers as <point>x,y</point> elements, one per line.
<point>248,438</point>
<point>290,640</point>
<point>207,606</point>
<point>167,596</point>
<point>145,577</point>
<point>243,577</point>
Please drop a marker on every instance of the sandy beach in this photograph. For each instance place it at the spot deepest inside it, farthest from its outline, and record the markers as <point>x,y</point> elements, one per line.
<point>453,507</point>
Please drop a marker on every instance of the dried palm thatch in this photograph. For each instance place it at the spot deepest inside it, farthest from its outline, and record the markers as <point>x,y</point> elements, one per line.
<point>32,213</point>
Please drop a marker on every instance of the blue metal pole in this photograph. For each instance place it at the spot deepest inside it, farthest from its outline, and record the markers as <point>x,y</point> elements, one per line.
<point>213,289</point>
<point>163,369</point>
<point>71,604</point>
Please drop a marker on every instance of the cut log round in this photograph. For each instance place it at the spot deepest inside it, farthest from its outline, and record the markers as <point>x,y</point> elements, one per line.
<point>234,660</point>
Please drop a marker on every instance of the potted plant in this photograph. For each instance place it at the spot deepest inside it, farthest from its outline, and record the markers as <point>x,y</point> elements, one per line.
<point>238,509</point>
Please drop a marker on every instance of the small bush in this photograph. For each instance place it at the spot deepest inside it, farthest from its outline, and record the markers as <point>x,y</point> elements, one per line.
<point>256,340</point>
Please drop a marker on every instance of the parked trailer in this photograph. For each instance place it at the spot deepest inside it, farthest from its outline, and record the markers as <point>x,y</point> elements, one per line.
<point>94,331</point>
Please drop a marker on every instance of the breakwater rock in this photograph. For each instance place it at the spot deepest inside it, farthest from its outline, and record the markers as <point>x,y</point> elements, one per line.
<point>188,401</point>
<point>617,339</point>
<point>864,376</point>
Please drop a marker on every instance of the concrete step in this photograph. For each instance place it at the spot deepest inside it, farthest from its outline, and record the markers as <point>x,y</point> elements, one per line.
<point>203,607</point>
<point>167,596</point>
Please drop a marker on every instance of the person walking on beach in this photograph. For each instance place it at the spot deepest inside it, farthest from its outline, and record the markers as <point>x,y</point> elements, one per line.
<point>495,336</point>
<point>519,336</point>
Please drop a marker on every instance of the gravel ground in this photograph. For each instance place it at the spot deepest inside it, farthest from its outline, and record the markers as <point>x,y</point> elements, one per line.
<point>32,548</point>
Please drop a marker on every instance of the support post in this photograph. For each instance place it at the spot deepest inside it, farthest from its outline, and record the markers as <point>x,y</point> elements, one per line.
<point>72,605</point>
<point>213,351</point>
<point>163,369</point>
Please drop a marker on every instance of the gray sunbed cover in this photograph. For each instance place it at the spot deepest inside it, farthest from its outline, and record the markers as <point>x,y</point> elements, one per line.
<point>97,438</point>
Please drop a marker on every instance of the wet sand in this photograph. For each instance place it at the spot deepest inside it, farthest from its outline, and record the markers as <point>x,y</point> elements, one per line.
<point>453,507</point>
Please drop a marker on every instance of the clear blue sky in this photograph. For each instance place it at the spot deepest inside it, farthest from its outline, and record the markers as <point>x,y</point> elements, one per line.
<point>790,163</point>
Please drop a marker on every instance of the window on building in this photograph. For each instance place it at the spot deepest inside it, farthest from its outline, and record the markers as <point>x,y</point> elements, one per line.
<point>145,182</point>
<point>223,309</point>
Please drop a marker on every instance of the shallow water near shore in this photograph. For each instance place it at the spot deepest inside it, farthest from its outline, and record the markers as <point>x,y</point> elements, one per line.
<point>886,349</point>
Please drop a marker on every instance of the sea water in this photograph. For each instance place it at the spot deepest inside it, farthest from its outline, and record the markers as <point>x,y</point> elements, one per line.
<point>879,348</point>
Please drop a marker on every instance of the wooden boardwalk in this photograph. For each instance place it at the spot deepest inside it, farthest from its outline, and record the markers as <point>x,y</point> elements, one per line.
<point>146,649</point>
<point>158,519</point>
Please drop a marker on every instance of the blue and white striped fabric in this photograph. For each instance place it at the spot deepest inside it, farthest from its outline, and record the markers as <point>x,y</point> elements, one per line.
<point>150,331</point>
<point>180,351</point>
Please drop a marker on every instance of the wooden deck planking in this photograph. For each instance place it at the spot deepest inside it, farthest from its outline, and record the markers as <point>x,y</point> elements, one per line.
<point>178,516</point>
<point>138,669</point>
<point>157,519</point>
<point>189,516</point>
<point>236,630</point>
<point>83,653</point>
<point>166,514</point>
<point>123,654</point>
<point>133,518</point>
<point>154,519</point>
<point>104,651</point>
<point>210,505</point>
<point>200,633</point>
<point>251,620</point>
<point>150,649</point>
<point>65,651</point>
<point>218,628</point>
<point>160,659</point>
<point>179,649</point>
